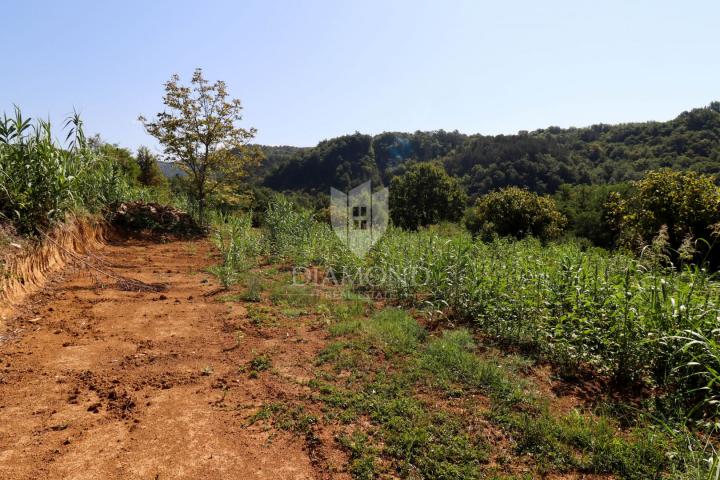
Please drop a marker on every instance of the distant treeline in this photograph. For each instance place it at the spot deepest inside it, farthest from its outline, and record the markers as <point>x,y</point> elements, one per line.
<point>540,160</point>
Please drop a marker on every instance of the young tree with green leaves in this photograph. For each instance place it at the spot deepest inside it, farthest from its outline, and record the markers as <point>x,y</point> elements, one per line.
<point>199,131</point>
<point>425,195</point>
<point>150,174</point>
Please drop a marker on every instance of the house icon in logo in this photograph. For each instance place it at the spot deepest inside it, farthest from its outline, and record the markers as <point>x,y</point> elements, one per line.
<point>360,217</point>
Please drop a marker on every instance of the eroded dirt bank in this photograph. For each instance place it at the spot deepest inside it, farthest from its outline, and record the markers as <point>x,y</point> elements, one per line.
<point>26,270</point>
<point>98,382</point>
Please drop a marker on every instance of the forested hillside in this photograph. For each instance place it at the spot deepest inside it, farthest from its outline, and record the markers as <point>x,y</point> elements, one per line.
<point>541,160</point>
<point>275,157</point>
<point>352,159</point>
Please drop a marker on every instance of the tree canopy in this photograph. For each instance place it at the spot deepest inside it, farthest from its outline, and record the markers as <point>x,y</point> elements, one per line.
<point>199,131</point>
<point>425,195</point>
<point>541,160</point>
<point>684,205</point>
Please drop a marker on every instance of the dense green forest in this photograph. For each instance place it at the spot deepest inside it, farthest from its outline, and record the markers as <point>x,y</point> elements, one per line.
<point>541,160</point>
<point>352,159</point>
<point>275,157</point>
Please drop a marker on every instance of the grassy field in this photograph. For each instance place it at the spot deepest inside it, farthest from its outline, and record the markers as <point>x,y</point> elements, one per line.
<point>422,391</point>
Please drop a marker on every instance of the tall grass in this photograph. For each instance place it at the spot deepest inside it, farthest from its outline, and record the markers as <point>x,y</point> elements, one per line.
<point>704,368</point>
<point>239,244</point>
<point>40,179</point>
<point>576,307</point>
<point>295,235</point>
<point>632,320</point>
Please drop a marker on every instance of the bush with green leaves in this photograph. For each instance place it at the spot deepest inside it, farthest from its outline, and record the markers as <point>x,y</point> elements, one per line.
<point>686,205</point>
<point>515,212</point>
<point>425,195</point>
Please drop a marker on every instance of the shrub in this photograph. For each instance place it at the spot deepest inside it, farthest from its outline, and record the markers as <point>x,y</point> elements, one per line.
<point>685,205</point>
<point>515,212</point>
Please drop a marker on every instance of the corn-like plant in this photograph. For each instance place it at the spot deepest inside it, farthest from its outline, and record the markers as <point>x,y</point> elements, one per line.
<point>578,307</point>
<point>41,180</point>
<point>704,368</point>
<point>238,243</point>
<point>293,234</point>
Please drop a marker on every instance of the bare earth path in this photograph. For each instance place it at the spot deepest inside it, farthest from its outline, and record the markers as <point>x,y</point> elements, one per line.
<point>97,382</point>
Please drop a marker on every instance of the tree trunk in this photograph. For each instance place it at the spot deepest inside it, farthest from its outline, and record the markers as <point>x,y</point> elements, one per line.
<point>201,209</point>
<point>201,202</point>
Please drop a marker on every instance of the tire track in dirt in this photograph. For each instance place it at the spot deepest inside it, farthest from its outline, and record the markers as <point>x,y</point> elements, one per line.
<point>97,382</point>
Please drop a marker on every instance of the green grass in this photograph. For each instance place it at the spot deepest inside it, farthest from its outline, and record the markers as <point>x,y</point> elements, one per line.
<point>345,327</point>
<point>293,418</point>
<point>416,439</point>
<point>293,295</point>
<point>345,355</point>
<point>577,442</point>
<point>450,361</point>
<point>362,455</point>
<point>394,331</point>
<point>623,317</point>
<point>419,441</point>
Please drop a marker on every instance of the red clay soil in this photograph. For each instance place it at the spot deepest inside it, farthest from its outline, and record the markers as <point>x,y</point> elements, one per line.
<point>101,383</point>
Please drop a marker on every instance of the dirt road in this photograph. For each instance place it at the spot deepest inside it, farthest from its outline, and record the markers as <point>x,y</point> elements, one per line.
<point>101,383</point>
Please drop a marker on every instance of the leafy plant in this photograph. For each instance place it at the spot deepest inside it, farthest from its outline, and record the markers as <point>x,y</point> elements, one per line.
<point>515,212</point>
<point>685,204</point>
<point>40,181</point>
<point>239,244</point>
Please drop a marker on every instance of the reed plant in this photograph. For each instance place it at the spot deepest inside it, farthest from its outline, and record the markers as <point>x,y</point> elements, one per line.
<point>41,179</point>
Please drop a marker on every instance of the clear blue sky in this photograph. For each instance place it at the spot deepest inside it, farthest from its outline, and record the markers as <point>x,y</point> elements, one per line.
<point>310,70</point>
